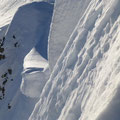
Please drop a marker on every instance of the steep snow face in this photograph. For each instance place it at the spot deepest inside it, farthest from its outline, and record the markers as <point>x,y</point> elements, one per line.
<point>8,9</point>
<point>28,30</point>
<point>85,84</point>
<point>65,18</point>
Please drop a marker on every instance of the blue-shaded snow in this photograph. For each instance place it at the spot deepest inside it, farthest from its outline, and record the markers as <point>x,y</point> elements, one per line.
<point>30,26</point>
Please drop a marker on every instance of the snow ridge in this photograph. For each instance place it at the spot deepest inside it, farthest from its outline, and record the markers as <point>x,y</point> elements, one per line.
<point>84,84</point>
<point>69,60</point>
<point>29,28</point>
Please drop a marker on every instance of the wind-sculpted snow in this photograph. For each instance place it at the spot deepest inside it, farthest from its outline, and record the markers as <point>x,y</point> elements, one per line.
<point>83,57</point>
<point>8,9</point>
<point>29,27</point>
<point>64,20</point>
<point>35,74</point>
<point>84,84</point>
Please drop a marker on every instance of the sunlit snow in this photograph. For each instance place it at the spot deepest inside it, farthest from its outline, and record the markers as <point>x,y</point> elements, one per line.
<point>60,61</point>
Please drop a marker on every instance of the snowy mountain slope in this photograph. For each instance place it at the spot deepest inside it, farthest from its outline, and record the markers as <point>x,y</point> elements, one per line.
<point>84,84</point>
<point>8,9</point>
<point>65,15</point>
<point>29,28</point>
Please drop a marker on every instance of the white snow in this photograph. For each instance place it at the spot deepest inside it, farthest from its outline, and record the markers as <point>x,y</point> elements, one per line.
<point>27,32</point>
<point>77,77</point>
<point>33,81</point>
<point>84,84</point>
<point>64,20</point>
<point>8,9</point>
<point>34,59</point>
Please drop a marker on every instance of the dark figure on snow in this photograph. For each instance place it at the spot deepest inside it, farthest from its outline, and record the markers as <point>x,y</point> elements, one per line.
<point>9,106</point>
<point>2,57</point>
<point>1,50</point>
<point>16,44</point>
<point>10,71</point>
<point>14,37</point>
<point>2,42</point>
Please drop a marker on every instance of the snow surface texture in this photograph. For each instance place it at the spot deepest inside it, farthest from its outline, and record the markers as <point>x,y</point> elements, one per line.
<point>8,9</point>
<point>85,84</point>
<point>28,30</point>
<point>83,59</point>
<point>65,18</point>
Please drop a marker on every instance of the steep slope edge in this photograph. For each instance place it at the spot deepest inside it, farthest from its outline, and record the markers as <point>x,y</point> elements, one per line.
<point>29,27</point>
<point>84,84</point>
<point>65,17</point>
